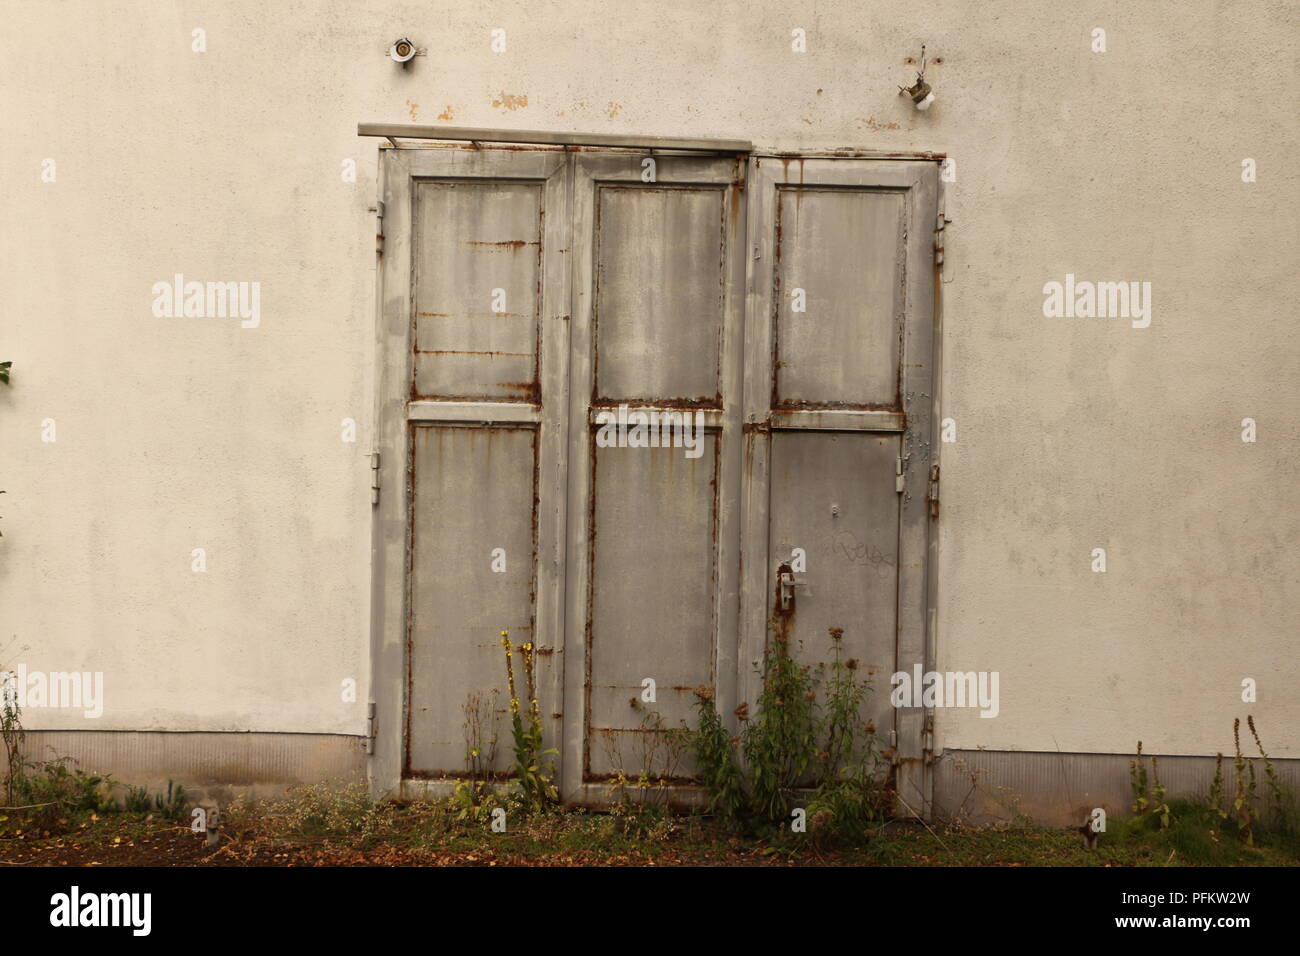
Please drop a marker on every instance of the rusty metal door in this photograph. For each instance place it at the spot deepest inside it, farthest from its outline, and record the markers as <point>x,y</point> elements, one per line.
<point>475,356</point>
<point>528,295</point>
<point>653,531</point>
<point>838,405</point>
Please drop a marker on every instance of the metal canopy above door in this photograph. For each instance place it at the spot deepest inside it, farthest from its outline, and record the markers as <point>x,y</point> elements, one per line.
<point>395,131</point>
<point>525,296</point>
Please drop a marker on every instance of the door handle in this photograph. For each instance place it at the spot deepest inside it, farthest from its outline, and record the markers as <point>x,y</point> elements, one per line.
<point>787,582</point>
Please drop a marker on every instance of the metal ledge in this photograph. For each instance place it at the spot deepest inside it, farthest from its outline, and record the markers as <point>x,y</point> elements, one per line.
<point>473,412</point>
<point>824,419</point>
<point>394,131</point>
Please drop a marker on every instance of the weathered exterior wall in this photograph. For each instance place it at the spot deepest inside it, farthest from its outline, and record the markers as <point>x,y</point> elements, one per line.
<point>1072,434</point>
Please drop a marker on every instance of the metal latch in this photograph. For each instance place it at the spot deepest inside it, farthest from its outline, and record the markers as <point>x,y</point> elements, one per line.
<point>898,474</point>
<point>932,495</point>
<point>788,582</point>
<point>374,478</point>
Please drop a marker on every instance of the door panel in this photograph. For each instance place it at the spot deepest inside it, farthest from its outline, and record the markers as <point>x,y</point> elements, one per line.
<point>843,250</point>
<point>653,595</point>
<point>476,312</point>
<point>659,293</point>
<point>838,405</point>
<point>470,485</point>
<point>478,254</point>
<point>832,496</point>
<point>653,533</point>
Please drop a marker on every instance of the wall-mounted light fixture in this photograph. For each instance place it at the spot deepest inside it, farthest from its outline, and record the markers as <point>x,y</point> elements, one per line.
<point>920,92</point>
<point>403,51</point>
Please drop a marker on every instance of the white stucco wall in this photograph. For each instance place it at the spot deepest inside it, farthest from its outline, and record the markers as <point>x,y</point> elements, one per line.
<point>1073,434</point>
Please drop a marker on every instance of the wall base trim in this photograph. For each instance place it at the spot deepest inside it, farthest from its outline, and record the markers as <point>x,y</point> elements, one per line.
<point>1059,789</point>
<point>212,765</point>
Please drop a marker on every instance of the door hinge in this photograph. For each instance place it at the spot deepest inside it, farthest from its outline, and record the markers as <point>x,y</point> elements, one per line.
<point>370,727</point>
<point>379,227</point>
<point>932,495</point>
<point>939,223</point>
<point>898,474</point>
<point>374,477</point>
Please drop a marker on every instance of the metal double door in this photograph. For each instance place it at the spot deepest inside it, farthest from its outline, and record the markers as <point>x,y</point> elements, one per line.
<point>646,407</point>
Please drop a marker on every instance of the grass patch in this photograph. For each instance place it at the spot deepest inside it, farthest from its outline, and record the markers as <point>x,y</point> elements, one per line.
<point>317,826</point>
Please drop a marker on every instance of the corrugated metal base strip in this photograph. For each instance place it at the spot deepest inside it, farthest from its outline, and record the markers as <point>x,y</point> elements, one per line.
<point>206,764</point>
<point>1057,789</point>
